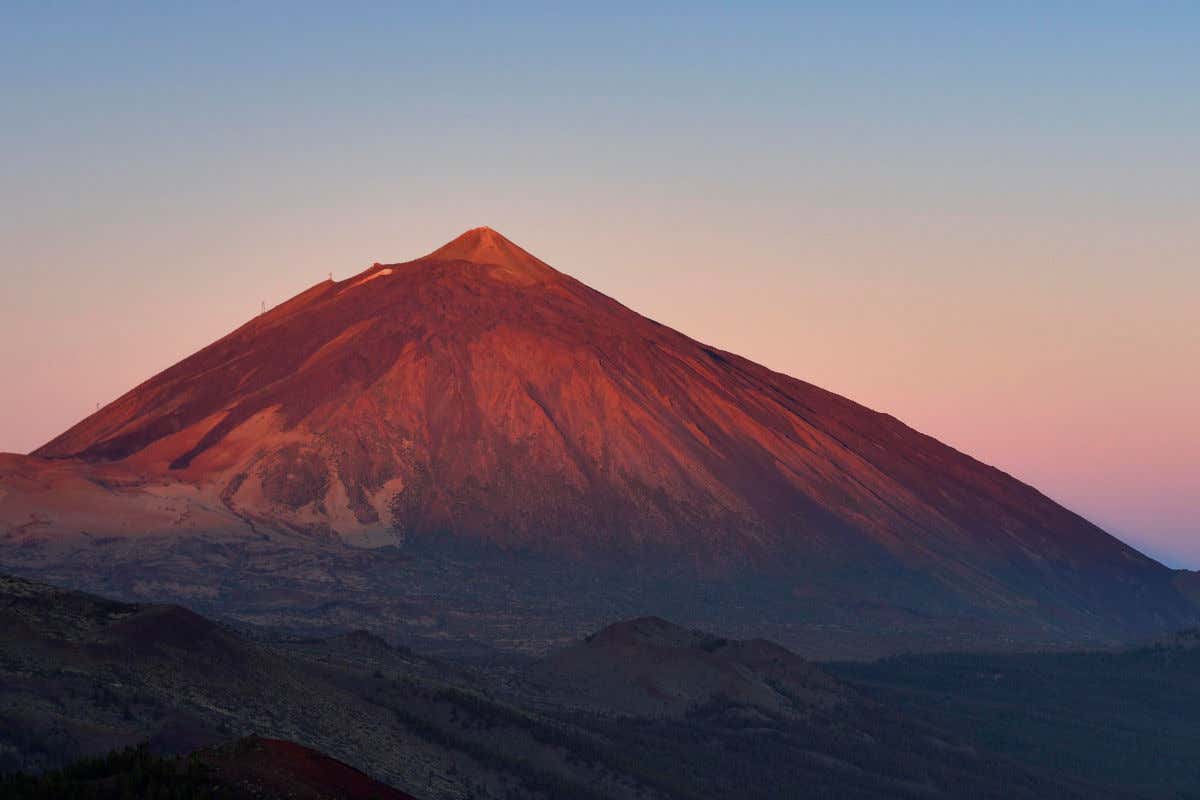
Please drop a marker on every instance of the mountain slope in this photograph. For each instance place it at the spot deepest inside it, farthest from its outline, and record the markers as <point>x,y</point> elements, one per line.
<point>478,396</point>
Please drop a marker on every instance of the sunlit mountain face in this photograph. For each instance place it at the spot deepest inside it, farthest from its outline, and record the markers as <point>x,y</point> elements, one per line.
<point>478,440</point>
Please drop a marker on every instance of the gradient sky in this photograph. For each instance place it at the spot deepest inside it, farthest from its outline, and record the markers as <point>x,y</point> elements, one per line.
<point>986,222</point>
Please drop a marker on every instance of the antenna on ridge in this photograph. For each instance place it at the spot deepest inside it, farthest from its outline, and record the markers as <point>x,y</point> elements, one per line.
<point>264,307</point>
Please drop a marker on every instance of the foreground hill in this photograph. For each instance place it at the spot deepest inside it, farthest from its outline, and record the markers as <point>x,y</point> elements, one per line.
<point>80,675</point>
<point>650,667</point>
<point>248,769</point>
<point>477,401</point>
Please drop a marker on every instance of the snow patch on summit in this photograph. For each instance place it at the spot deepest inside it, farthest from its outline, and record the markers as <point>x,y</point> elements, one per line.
<point>380,274</point>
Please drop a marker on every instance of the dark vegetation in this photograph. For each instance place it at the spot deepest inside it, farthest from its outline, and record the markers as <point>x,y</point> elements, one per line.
<point>1124,719</point>
<point>246,769</point>
<point>132,772</point>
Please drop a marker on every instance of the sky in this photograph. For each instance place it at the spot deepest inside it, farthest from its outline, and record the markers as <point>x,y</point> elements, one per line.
<point>981,218</point>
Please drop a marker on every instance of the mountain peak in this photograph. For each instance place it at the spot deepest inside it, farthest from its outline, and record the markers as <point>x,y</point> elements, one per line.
<point>486,246</point>
<point>478,397</point>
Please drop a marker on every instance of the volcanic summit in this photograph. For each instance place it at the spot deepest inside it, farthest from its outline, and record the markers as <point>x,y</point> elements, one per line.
<point>477,396</point>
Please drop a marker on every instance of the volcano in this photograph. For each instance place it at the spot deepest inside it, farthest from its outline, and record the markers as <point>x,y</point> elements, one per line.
<point>478,399</point>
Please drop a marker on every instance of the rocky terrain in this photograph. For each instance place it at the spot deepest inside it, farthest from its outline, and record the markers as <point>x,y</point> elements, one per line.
<point>691,716</point>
